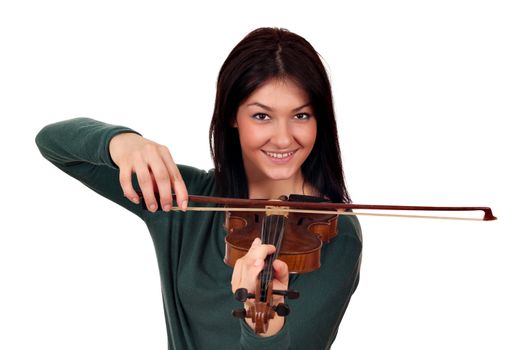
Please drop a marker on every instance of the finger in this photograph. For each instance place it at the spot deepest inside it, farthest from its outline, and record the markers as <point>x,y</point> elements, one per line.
<point>259,251</point>
<point>245,274</point>
<point>248,267</point>
<point>146,186</point>
<point>162,180</point>
<point>236,275</point>
<point>281,271</point>
<point>251,256</point>
<point>176,178</point>
<point>182,192</point>
<point>255,258</point>
<point>125,175</point>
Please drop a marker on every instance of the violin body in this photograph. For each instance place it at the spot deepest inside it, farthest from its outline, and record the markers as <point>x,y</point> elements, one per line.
<point>301,244</point>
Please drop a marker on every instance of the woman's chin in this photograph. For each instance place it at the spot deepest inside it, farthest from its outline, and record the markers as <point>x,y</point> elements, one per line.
<point>281,175</point>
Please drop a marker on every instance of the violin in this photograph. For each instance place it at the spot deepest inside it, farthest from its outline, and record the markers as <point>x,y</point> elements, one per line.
<point>297,226</point>
<point>298,239</point>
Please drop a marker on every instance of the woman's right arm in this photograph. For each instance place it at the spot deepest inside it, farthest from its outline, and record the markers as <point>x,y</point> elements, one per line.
<point>104,157</point>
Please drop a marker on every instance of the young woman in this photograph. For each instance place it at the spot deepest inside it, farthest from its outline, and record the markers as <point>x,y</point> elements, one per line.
<point>273,133</point>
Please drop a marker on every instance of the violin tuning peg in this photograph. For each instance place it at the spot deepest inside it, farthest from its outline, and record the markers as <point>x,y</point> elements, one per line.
<point>239,313</point>
<point>282,309</point>
<point>242,294</point>
<point>292,294</point>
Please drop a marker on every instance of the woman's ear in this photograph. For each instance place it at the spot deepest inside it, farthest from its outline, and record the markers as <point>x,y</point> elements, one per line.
<point>234,123</point>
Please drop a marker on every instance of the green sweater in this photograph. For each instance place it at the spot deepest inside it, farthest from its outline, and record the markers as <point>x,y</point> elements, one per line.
<point>196,287</point>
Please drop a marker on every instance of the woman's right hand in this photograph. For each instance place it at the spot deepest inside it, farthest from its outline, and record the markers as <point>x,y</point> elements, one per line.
<point>156,171</point>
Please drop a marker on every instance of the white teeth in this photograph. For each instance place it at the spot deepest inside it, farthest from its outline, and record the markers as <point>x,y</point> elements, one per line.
<point>279,155</point>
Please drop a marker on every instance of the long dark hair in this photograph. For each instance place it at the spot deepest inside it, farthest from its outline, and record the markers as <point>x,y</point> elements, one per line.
<point>263,54</point>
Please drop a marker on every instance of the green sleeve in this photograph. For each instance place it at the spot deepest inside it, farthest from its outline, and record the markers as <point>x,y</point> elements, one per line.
<point>80,148</point>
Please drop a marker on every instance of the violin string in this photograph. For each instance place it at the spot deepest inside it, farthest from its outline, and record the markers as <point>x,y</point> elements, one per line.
<point>263,279</point>
<point>269,270</point>
<point>268,233</point>
<point>280,237</point>
<point>267,267</point>
<point>271,240</point>
<point>279,232</point>
<point>272,231</point>
<point>278,224</point>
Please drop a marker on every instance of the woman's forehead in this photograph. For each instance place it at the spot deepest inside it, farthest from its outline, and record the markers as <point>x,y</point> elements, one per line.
<point>278,94</point>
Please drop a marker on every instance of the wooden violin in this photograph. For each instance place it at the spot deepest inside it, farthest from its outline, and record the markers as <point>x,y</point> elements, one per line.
<point>298,239</point>
<point>297,226</point>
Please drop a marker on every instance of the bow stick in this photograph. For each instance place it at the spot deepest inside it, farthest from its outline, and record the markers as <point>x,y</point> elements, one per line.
<point>328,208</point>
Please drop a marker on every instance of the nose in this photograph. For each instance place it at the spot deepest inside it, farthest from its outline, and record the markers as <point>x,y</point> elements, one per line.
<point>282,136</point>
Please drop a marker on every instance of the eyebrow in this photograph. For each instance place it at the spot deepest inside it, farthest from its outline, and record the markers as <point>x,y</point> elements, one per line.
<point>271,109</point>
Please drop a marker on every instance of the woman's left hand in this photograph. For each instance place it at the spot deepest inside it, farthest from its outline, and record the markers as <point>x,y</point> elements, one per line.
<point>245,275</point>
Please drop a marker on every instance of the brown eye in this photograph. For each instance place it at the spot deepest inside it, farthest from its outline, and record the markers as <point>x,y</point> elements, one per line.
<point>302,116</point>
<point>261,116</point>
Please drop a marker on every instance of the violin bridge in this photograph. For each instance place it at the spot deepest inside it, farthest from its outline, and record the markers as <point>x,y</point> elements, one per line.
<point>277,210</point>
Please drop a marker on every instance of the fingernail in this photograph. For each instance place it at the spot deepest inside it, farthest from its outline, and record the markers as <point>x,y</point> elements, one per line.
<point>135,200</point>
<point>184,205</point>
<point>152,207</point>
<point>167,207</point>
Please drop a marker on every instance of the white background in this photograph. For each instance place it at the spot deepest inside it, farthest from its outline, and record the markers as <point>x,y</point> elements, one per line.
<point>428,98</point>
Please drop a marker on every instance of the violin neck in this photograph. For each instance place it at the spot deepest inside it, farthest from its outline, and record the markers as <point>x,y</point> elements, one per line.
<point>272,232</point>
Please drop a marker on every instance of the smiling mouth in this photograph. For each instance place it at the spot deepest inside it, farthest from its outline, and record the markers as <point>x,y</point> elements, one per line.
<point>279,155</point>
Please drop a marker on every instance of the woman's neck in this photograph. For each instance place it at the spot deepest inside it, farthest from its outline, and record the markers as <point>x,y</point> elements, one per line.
<point>273,189</point>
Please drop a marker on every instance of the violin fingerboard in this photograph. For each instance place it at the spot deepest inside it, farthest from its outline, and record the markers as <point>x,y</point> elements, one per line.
<point>272,232</point>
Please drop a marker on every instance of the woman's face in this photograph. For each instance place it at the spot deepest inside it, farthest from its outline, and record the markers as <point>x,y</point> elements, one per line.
<point>277,131</point>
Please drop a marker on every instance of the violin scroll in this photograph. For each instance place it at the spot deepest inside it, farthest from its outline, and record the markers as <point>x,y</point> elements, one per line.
<point>262,309</point>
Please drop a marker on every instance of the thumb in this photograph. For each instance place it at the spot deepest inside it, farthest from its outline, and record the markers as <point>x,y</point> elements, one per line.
<point>281,271</point>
